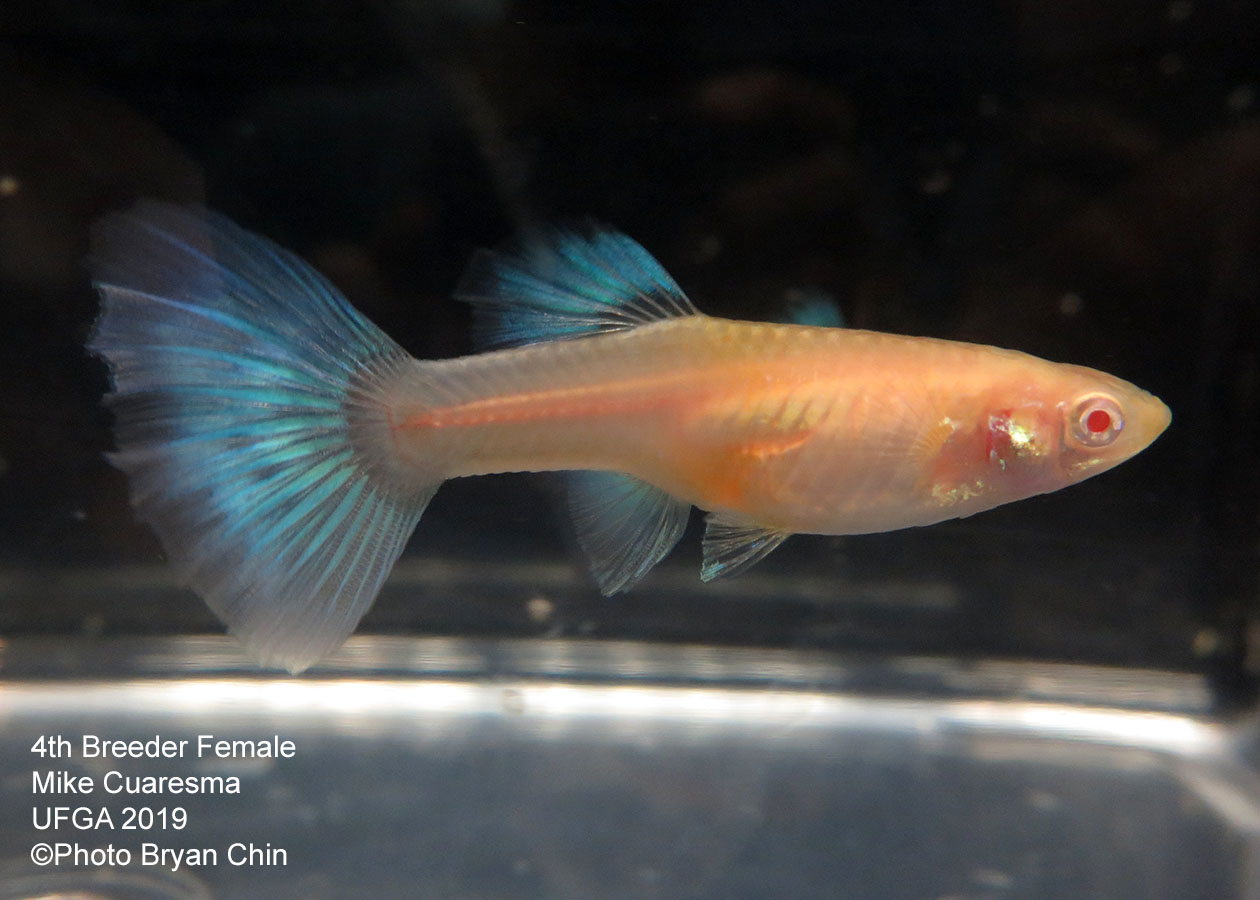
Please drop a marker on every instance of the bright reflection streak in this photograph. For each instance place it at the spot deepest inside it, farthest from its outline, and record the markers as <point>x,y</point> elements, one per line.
<point>554,708</point>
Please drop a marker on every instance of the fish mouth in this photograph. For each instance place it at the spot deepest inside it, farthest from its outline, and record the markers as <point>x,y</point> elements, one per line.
<point>1165,416</point>
<point>1153,418</point>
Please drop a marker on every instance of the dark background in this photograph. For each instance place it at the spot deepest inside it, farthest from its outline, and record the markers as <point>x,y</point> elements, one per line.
<point>1077,180</point>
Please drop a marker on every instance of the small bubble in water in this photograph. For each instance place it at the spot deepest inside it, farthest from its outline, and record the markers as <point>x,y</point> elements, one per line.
<point>1043,801</point>
<point>93,625</point>
<point>649,875</point>
<point>9,185</point>
<point>707,248</point>
<point>992,878</point>
<point>1071,304</point>
<point>1241,98</point>
<point>937,182</point>
<point>512,701</point>
<point>1207,642</point>
<point>539,609</point>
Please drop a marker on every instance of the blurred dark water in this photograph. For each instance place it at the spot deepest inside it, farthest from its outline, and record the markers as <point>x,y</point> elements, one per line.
<point>1077,181</point>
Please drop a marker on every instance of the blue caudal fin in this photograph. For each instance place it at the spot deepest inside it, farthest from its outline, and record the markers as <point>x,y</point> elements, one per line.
<point>247,398</point>
<point>567,283</point>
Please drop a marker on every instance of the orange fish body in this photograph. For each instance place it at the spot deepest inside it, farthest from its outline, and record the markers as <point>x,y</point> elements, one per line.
<point>283,448</point>
<point>797,428</point>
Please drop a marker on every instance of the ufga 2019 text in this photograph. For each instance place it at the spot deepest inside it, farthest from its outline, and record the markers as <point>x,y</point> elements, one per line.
<point>129,818</point>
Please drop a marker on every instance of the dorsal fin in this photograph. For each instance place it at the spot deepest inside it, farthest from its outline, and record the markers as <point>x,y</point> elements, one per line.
<point>567,283</point>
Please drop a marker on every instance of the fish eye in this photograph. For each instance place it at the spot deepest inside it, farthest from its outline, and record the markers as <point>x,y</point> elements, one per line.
<point>1096,420</point>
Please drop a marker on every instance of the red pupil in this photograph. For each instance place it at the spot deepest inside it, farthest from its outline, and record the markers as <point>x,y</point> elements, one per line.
<point>1098,421</point>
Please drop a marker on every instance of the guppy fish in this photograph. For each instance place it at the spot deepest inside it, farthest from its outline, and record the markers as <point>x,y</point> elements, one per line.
<point>283,448</point>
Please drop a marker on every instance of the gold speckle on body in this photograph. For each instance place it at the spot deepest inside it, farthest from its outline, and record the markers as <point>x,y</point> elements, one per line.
<point>949,496</point>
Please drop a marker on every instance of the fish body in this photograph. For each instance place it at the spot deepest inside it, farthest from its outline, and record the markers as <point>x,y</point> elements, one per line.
<point>283,448</point>
<point>797,428</point>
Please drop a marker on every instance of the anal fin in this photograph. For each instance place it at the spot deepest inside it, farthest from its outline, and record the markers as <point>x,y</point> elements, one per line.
<point>733,545</point>
<point>625,525</point>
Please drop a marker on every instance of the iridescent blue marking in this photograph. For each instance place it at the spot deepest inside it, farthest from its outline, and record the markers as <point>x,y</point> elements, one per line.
<point>567,284</point>
<point>232,365</point>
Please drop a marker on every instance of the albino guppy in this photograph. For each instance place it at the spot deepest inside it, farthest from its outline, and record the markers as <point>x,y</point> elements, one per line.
<point>283,448</point>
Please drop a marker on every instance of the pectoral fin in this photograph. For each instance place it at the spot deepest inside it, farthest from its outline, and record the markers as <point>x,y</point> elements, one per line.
<point>731,545</point>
